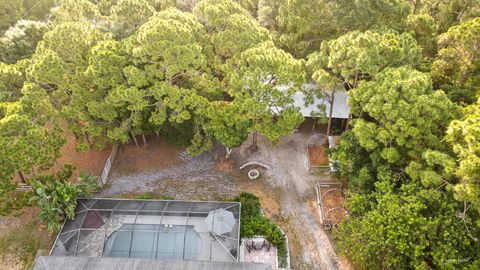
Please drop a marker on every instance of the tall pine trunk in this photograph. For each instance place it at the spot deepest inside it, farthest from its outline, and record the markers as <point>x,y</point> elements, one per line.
<point>254,141</point>
<point>329,126</point>
<point>348,120</point>
<point>228,152</point>
<point>134,139</point>
<point>144,140</point>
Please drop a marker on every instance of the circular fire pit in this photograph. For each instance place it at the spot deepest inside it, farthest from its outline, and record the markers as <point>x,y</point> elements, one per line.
<point>253,174</point>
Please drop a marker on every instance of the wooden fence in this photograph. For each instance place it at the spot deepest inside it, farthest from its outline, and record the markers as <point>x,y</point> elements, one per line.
<point>108,165</point>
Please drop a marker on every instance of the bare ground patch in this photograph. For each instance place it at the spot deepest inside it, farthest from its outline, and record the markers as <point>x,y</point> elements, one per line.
<point>91,161</point>
<point>171,171</point>
<point>155,155</point>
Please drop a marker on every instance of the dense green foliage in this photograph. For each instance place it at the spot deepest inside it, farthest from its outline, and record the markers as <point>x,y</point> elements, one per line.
<point>27,148</point>
<point>464,136</point>
<point>409,238</point>
<point>457,67</point>
<point>200,72</point>
<point>408,195</point>
<point>57,197</point>
<point>20,40</point>
<point>255,223</point>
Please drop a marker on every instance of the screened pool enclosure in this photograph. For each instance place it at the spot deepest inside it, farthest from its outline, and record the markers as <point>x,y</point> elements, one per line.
<point>183,230</point>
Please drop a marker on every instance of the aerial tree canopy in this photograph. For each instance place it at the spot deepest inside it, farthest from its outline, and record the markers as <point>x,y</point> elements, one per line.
<point>171,42</point>
<point>413,228</point>
<point>424,30</point>
<point>357,56</point>
<point>400,116</point>
<point>38,11</point>
<point>174,43</point>
<point>11,12</point>
<point>369,14</point>
<point>12,78</point>
<point>76,11</point>
<point>231,29</point>
<point>59,66</point>
<point>304,24</point>
<point>215,13</point>
<point>464,136</point>
<point>127,16</point>
<point>267,12</point>
<point>26,146</point>
<point>256,81</point>
<point>448,13</point>
<point>344,62</point>
<point>19,41</point>
<point>228,123</point>
<point>239,33</point>
<point>457,67</point>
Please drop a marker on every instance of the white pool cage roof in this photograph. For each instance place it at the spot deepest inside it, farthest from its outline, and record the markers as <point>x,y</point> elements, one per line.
<point>152,229</point>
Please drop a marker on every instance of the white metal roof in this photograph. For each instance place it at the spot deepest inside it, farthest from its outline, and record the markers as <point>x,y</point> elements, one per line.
<point>102,263</point>
<point>340,103</point>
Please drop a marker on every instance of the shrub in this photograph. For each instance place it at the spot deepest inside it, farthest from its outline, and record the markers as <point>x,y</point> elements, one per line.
<point>250,205</point>
<point>254,223</point>
<point>57,196</point>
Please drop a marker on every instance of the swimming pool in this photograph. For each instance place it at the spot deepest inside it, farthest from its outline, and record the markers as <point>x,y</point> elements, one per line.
<point>154,241</point>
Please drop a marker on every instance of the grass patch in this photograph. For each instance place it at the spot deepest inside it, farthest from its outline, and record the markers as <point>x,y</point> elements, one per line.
<point>153,196</point>
<point>24,242</point>
<point>146,196</point>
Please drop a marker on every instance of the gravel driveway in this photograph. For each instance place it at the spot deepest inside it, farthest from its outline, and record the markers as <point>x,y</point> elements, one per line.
<point>289,172</point>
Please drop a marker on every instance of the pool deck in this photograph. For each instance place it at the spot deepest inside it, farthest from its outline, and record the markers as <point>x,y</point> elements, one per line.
<point>258,256</point>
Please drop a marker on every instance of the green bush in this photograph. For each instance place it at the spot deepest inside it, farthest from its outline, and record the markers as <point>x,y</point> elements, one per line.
<point>254,223</point>
<point>250,205</point>
<point>145,196</point>
<point>57,197</point>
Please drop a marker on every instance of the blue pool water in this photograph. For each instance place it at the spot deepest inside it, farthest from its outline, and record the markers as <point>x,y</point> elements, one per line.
<point>154,241</point>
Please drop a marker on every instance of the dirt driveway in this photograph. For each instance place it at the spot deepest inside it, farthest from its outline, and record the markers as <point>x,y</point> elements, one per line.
<point>289,176</point>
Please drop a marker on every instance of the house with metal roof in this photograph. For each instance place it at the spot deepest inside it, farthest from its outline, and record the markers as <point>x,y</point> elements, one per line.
<point>310,104</point>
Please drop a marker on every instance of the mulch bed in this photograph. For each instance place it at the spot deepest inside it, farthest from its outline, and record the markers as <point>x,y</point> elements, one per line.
<point>317,156</point>
<point>226,166</point>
